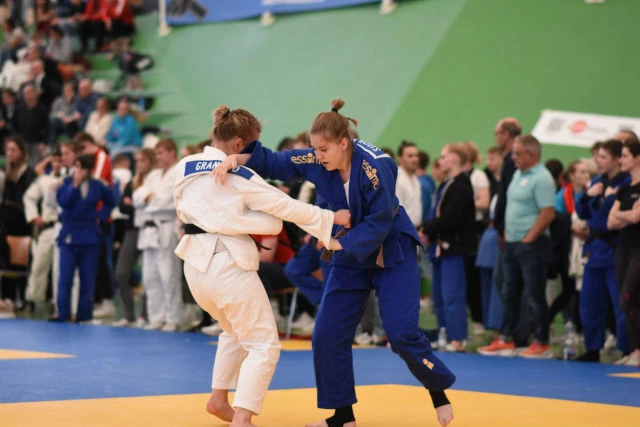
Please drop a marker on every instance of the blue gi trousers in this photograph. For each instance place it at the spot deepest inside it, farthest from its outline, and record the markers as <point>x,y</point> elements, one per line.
<point>491,302</point>
<point>85,258</point>
<point>596,283</point>
<point>449,293</point>
<point>298,270</point>
<point>343,303</point>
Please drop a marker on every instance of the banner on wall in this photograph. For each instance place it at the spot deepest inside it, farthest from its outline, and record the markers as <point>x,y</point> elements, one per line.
<point>180,12</point>
<point>580,129</point>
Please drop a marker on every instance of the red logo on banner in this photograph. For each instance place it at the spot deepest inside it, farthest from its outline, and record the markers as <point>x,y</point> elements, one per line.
<point>578,127</point>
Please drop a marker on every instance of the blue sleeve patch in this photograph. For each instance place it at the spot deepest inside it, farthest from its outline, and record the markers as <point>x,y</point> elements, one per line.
<point>201,166</point>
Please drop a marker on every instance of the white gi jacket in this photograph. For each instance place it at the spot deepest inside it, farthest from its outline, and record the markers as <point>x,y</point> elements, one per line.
<point>160,211</point>
<point>42,189</point>
<point>245,204</point>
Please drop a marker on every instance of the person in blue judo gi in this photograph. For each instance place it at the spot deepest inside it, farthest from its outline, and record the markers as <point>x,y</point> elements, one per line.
<point>80,237</point>
<point>599,280</point>
<point>379,251</point>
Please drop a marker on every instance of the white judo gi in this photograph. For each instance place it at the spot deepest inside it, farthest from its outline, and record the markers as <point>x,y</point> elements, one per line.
<point>41,194</point>
<point>157,240</point>
<point>221,266</point>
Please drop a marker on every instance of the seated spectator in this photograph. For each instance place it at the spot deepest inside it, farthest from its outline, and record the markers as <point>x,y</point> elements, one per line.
<point>92,25</point>
<point>48,88</point>
<point>85,101</point>
<point>15,39</point>
<point>124,134</point>
<point>100,121</point>
<point>120,21</point>
<point>31,121</point>
<point>59,46</point>
<point>43,11</point>
<point>7,112</point>
<point>63,120</point>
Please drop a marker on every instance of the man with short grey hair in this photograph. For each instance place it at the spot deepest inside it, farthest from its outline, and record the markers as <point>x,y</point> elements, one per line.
<point>529,211</point>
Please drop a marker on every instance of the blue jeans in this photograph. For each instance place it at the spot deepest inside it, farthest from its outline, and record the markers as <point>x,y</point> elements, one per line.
<point>525,268</point>
<point>449,292</point>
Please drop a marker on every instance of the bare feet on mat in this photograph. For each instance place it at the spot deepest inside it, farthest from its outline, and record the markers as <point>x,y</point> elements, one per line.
<point>241,424</point>
<point>323,423</point>
<point>445,414</point>
<point>218,405</point>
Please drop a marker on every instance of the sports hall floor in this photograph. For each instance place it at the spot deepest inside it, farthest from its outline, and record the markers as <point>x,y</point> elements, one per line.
<point>81,375</point>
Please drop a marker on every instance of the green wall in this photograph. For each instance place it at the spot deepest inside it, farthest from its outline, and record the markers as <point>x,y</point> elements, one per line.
<point>434,71</point>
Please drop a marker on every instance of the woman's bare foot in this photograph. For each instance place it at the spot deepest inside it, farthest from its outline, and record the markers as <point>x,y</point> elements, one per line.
<point>242,418</point>
<point>323,423</point>
<point>218,405</point>
<point>445,414</point>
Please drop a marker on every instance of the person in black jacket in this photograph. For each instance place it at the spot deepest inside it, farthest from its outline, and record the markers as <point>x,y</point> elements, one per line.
<point>452,235</point>
<point>129,253</point>
<point>13,222</point>
<point>31,121</point>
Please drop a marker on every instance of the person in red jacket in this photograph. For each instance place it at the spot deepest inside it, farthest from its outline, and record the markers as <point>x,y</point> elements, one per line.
<point>112,18</point>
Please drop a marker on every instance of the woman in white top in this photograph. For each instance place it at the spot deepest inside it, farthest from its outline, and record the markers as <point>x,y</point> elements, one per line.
<point>482,198</point>
<point>99,121</point>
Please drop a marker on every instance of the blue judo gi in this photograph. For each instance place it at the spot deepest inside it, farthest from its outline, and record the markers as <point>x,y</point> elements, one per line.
<point>599,273</point>
<point>79,241</point>
<point>381,233</point>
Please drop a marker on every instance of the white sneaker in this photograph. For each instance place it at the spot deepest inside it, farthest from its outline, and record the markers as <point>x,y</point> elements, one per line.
<point>304,331</point>
<point>610,343</point>
<point>630,360</point>
<point>153,326</point>
<point>90,322</point>
<point>267,19</point>
<point>106,309</point>
<point>364,338</point>
<point>212,330</point>
<point>387,7</point>
<point>169,327</point>
<point>478,328</point>
<point>122,323</point>
<point>303,320</point>
<point>140,323</point>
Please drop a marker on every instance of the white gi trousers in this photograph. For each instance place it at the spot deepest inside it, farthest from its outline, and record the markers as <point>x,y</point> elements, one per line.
<point>42,252</point>
<point>162,280</point>
<point>249,348</point>
<point>55,274</point>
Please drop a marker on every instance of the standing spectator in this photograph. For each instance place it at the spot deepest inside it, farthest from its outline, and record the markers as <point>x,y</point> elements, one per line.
<point>124,134</point>
<point>625,216</point>
<point>529,211</point>
<point>158,239</point>
<point>481,194</point>
<point>599,272</point>
<point>129,253</point>
<point>41,210</point>
<point>453,237</point>
<point>493,169</point>
<point>85,102</point>
<point>99,122</point>
<point>80,236</point>
<point>19,177</point>
<point>63,118</point>
<point>31,121</point>
<point>427,185</point>
<point>627,135</point>
<point>408,188</point>
<point>565,206</point>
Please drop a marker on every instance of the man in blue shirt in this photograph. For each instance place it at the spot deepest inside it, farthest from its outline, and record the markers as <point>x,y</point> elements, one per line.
<point>529,211</point>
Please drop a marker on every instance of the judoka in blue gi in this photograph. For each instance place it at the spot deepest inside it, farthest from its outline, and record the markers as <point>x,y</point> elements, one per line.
<point>599,280</point>
<point>80,237</point>
<point>379,252</point>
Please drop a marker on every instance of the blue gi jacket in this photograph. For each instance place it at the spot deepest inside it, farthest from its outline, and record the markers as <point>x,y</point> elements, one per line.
<point>372,198</point>
<point>80,215</point>
<point>599,248</point>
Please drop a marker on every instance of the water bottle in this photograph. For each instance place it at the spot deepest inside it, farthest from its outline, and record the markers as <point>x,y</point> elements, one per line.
<point>570,342</point>
<point>442,338</point>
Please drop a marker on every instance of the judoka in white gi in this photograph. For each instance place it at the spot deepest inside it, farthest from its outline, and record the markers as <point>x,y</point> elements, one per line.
<point>221,260</point>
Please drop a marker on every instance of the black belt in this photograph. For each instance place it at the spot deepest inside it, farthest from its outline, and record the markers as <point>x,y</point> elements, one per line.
<point>194,229</point>
<point>47,225</point>
<point>153,224</point>
<point>605,235</point>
